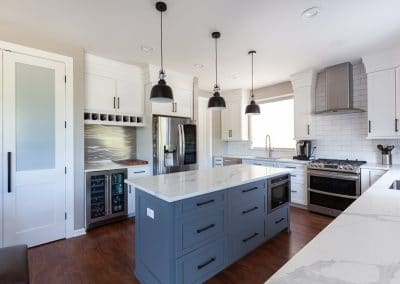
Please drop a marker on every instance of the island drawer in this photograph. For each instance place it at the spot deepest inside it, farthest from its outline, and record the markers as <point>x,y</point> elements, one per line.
<point>247,194</point>
<point>200,203</point>
<point>201,264</point>
<point>195,230</point>
<point>245,214</point>
<point>248,239</point>
<point>277,221</point>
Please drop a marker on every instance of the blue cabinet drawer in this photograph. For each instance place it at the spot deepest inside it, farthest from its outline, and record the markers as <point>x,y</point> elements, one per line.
<point>201,203</point>
<point>201,264</point>
<point>245,214</point>
<point>247,240</point>
<point>196,230</point>
<point>247,194</point>
<point>277,221</point>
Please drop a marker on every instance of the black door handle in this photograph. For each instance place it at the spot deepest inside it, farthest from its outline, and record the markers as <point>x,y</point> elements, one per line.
<point>249,238</point>
<point>205,202</point>
<point>205,228</point>
<point>201,266</point>
<point>250,189</point>
<point>249,210</point>
<point>9,171</point>
<point>280,220</point>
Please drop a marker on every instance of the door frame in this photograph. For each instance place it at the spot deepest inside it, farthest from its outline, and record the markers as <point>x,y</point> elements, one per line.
<point>69,132</point>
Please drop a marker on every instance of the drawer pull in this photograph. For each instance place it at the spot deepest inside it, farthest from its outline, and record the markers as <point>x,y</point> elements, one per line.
<point>139,172</point>
<point>250,189</point>
<point>257,164</point>
<point>201,266</point>
<point>280,220</point>
<point>293,176</point>
<point>290,167</point>
<point>249,210</point>
<point>249,238</point>
<point>293,191</point>
<point>205,202</point>
<point>205,228</point>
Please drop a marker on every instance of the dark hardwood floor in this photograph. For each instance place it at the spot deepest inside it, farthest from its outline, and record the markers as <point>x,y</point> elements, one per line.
<point>106,255</point>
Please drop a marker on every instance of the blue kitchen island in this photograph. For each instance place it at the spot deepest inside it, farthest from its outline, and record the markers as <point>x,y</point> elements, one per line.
<point>191,225</point>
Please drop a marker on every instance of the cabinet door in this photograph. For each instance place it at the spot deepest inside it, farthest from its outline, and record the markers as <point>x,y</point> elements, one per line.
<point>183,102</point>
<point>231,120</point>
<point>381,104</point>
<point>130,97</point>
<point>374,175</point>
<point>225,123</point>
<point>302,112</point>
<point>100,93</point>
<point>397,122</point>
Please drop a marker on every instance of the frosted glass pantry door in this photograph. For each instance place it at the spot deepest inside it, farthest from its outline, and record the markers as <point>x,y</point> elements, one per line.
<point>34,146</point>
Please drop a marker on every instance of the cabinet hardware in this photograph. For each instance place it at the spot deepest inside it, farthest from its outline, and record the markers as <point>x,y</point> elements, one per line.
<point>293,176</point>
<point>9,171</point>
<point>249,210</point>
<point>130,189</point>
<point>308,129</point>
<point>176,107</point>
<point>230,133</point>
<point>206,263</point>
<point>290,167</point>
<point>369,126</point>
<point>205,228</point>
<point>114,102</point>
<point>257,164</point>
<point>118,103</point>
<point>65,216</point>
<point>280,220</point>
<point>293,191</point>
<point>396,129</point>
<point>205,202</point>
<point>139,172</point>
<point>249,238</point>
<point>250,189</point>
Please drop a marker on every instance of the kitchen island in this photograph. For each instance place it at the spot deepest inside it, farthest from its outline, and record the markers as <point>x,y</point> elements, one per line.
<point>360,246</point>
<point>191,225</point>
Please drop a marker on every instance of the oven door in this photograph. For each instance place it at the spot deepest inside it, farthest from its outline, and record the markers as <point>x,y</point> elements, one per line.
<point>278,192</point>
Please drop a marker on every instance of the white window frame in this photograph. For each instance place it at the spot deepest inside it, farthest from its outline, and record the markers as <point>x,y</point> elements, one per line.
<point>269,100</point>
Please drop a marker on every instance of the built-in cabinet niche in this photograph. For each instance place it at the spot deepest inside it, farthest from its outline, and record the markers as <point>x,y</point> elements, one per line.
<point>383,79</point>
<point>114,92</point>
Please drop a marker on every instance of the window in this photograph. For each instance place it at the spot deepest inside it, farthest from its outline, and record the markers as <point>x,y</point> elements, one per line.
<point>277,120</point>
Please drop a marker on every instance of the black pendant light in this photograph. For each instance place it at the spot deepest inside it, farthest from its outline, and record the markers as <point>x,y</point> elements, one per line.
<point>216,102</point>
<point>252,108</point>
<point>161,93</point>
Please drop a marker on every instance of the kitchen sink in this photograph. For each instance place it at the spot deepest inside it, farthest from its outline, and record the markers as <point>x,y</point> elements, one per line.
<point>395,185</point>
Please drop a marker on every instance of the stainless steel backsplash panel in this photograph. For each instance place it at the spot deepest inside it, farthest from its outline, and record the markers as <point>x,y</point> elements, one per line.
<point>109,143</point>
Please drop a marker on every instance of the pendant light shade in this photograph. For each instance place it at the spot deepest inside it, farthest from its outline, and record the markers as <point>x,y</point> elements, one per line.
<point>216,102</point>
<point>161,93</point>
<point>252,108</point>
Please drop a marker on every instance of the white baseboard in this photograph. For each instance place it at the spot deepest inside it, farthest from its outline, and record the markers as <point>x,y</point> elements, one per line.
<point>77,233</point>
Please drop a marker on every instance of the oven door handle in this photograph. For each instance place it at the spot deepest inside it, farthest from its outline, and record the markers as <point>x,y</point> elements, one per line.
<point>334,175</point>
<point>273,185</point>
<point>333,194</point>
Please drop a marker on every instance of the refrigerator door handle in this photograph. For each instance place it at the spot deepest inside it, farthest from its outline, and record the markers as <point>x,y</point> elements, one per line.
<point>183,144</point>
<point>180,144</point>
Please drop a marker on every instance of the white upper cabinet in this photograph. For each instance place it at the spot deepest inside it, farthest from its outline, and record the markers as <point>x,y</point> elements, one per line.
<point>182,89</point>
<point>382,104</point>
<point>383,79</point>
<point>234,121</point>
<point>113,87</point>
<point>304,90</point>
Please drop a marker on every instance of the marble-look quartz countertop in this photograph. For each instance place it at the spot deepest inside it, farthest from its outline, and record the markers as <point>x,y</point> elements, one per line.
<point>264,158</point>
<point>362,245</point>
<point>182,185</point>
<point>109,165</point>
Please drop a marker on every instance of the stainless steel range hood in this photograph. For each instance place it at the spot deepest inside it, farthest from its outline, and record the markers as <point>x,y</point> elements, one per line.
<point>339,90</point>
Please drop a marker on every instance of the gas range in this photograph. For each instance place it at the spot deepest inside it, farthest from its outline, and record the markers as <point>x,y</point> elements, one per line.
<point>346,166</point>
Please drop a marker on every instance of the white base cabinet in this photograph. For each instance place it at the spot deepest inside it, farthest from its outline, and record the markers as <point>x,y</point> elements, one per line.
<point>369,177</point>
<point>135,172</point>
<point>298,179</point>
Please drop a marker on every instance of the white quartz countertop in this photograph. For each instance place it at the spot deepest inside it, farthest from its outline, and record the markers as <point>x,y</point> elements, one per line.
<point>362,245</point>
<point>262,158</point>
<point>108,165</point>
<point>182,185</point>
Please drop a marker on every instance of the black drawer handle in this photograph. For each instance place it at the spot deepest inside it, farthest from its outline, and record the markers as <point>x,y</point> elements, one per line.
<point>201,266</point>
<point>8,171</point>
<point>250,210</point>
<point>139,172</point>
<point>290,167</point>
<point>293,176</point>
<point>280,220</point>
<point>249,238</point>
<point>293,190</point>
<point>250,189</point>
<point>205,228</point>
<point>205,202</point>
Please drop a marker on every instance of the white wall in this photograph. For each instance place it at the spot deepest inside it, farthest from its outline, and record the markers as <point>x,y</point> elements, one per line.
<point>344,136</point>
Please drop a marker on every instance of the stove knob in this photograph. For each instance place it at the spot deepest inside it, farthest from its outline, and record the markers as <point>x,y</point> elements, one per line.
<point>349,168</point>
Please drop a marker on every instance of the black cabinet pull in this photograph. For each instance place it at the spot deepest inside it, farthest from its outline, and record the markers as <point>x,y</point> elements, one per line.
<point>250,189</point>
<point>201,266</point>
<point>118,102</point>
<point>205,228</point>
<point>114,102</point>
<point>250,210</point>
<point>293,190</point>
<point>249,238</point>
<point>280,220</point>
<point>9,171</point>
<point>205,202</point>
<point>290,167</point>
<point>369,126</point>
<point>396,125</point>
<point>308,129</point>
<point>139,172</point>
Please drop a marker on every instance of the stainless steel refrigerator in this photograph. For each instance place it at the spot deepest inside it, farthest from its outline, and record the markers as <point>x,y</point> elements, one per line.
<point>174,145</point>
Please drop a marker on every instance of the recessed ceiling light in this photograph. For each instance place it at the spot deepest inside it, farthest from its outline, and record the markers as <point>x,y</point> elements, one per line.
<point>147,49</point>
<point>310,12</point>
<point>198,66</point>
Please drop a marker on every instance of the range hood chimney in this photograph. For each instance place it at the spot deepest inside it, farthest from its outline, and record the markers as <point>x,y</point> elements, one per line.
<point>339,90</point>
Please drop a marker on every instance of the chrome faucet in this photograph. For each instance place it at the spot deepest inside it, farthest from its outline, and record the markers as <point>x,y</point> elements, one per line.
<point>268,147</point>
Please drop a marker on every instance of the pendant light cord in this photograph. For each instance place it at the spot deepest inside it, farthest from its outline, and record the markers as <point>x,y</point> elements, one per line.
<point>216,63</point>
<point>252,76</point>
<point>162,59</point>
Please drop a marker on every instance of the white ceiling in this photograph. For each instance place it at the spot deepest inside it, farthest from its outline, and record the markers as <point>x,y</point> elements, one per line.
<point>285,43</point>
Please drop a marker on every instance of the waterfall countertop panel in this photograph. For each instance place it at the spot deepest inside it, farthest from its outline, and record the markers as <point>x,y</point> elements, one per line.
<point>362,245</point>
<point>182,185</point>
<point>109,165</point>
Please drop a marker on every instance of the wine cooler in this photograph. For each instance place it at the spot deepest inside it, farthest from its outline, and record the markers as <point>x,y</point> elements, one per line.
<point>106,196</point>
